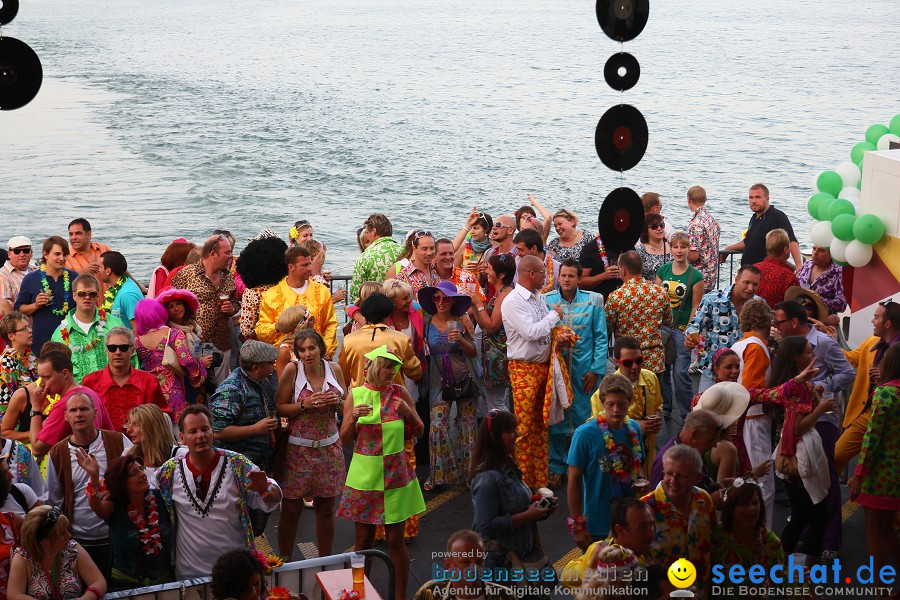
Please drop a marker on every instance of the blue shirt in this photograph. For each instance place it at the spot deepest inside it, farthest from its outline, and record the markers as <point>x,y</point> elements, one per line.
<point>126,299</point>
<point>588,452</point>
<point>43,320</point>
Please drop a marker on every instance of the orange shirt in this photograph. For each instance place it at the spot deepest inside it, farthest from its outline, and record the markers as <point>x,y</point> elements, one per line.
<point>79,261</point>
<point>756,362</point>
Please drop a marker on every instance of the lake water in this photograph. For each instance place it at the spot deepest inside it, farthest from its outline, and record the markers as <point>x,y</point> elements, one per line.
<point>163,119</point>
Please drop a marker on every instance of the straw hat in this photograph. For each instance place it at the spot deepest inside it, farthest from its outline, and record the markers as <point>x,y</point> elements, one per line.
<point>727,400</point>
<point>796,291</point>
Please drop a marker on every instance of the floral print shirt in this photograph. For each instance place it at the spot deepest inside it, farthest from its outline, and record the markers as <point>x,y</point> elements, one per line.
<point>563,252</point>
<point>373,264</point>
<point>703,231</point>
<point>640,309</point>
<point>681,535</point>
<point>250,302</point>
<point>16,370</point>
<point>829,285</point>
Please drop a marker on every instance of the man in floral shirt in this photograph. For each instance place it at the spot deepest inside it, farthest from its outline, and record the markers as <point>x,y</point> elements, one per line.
<point>704,233</point>
<point>639,309</point>
<point>718,319</point>
<point>685,515</point>
<point>375,261</point>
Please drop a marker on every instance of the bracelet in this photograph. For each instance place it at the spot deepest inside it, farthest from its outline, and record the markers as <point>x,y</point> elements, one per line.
<point>92,492</point>
<point>576,524</point>
<point>91,588</point>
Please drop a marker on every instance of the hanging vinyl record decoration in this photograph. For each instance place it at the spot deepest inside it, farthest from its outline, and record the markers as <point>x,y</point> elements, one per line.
<point>621,137</point>
<point>622,71</point>
<point>20,74</point>
<point>8,10</point>
<point>622,20</point>
<point>620,220</point>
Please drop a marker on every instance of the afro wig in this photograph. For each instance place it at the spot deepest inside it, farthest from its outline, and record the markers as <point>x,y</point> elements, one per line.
<point>262,262</point>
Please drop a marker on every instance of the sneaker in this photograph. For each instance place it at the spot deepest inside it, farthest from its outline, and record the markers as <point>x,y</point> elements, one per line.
<point>694,369</point>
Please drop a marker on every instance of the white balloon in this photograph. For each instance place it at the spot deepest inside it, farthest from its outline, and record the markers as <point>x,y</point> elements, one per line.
<point>821,234</point>
<point>849,173</point>
<point>858,254</point>
<point>849,193</point>
<point>838,249</point>
<point>884,142</point>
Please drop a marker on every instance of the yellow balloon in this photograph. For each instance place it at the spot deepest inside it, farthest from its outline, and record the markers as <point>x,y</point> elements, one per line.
<point>682,573</point>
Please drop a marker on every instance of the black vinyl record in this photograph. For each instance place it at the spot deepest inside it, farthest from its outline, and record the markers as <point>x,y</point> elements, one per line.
<point>20,74</point>
<point>627,80</point>
<point>8,10</point>
<point>621,137</point>
<point>620,220</point>
<point>622,20</point>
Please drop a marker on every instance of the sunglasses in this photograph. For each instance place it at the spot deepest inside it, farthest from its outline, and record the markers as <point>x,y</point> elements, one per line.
<point>112,348</point>
<point>887,302</point>
<point>50,520</point>
<point>442,299</point>
<point>630,362</point>
<point>221,232</point>
<point>87,294</point>
<point>301,224</point>
<point>20,250</point>
<point>421,234</point>
<point>503,226</point>
<point>660,225</point>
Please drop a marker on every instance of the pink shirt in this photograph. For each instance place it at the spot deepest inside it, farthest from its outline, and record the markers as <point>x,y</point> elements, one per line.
<point>55,428</point>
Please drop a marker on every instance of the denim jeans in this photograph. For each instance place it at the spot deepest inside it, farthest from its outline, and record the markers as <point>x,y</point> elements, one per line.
<point>678,373</point>
<point>706,382</point>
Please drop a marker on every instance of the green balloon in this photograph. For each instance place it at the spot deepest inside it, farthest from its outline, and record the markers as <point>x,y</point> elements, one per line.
<point>874,132</point>
<point>814,202</point>
<point>842,227</point>
<point>829,182</point>
<point>840,206</point>
<point>868,229</point>
<point>822,214</point>
<point>840,262</point>
<point>895,125</point>
<point>856,153</point>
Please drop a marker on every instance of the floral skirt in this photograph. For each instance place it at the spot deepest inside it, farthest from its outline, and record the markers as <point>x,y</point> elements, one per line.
<point>317,472</point>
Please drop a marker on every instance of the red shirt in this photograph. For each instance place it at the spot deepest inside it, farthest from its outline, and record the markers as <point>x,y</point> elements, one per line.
<point>776,276</point>
<point>55,428</point>
<point>141,388</point>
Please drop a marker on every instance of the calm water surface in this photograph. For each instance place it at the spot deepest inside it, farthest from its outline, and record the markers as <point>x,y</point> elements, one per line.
<point>162,119</point>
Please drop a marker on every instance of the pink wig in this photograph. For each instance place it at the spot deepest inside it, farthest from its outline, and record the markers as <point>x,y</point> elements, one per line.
<point>149,314</point>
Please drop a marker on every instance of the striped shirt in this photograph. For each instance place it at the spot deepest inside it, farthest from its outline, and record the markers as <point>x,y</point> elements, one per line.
<point>11,280</point>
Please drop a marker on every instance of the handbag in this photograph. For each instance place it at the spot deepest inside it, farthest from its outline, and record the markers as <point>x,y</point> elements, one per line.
<point>170,358</point>
<point>786,465</point>
<point>459,390</point>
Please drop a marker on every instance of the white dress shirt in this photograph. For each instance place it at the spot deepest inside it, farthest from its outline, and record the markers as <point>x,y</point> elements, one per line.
<point>528,323</point>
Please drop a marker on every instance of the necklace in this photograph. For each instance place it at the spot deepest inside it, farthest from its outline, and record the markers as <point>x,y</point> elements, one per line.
<point>618,468</point>
<point>602,250</point>
<point>89,345</point>
<point>64,310</point>
<point>110,296</point>
<point>23,371</point>
<point>148,528</point>
<point>202,510</point>
<point>551,281</point>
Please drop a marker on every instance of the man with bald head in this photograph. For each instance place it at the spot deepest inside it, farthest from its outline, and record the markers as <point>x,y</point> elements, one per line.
<point>529,325</point>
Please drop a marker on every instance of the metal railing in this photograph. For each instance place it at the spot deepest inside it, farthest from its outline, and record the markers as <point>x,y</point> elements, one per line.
<point>298,577</point>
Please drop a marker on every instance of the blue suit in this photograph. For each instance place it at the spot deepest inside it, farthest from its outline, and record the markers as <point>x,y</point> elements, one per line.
<point>586,317</point>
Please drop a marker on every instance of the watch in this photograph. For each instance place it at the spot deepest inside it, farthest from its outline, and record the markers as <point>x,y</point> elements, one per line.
<point>36,413</point>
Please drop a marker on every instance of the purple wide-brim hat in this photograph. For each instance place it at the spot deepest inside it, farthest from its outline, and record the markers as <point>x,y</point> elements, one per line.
<point>461,302</point>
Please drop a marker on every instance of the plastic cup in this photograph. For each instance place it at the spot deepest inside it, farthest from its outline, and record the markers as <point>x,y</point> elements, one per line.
<point>358,564</point>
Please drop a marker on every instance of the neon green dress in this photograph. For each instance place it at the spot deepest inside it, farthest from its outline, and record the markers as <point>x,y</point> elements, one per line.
<point>381,486</point>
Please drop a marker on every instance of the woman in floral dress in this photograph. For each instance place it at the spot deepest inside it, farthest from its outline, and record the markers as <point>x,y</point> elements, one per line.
<point>876,482</point>
<point>153,337</point>
<point>310,391</point>
<point>381,486</point>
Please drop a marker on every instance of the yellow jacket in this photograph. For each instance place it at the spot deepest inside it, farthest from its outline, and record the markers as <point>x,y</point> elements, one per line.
<point>647,400</point>
<point>862,359</point>
<point>365,339</point>
<point>316,299</point>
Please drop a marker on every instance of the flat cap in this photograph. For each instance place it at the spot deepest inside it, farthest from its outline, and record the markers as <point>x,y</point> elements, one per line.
<point>254,351</point>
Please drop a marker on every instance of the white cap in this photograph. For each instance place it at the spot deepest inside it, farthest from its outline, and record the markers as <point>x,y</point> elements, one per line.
<point>18,241</point>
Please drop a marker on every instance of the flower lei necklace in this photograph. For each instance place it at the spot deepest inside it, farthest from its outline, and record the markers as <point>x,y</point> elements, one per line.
<point>602,250</point>
<point>551,281</point>
<point>60,312</point>
<point>26,365</point>
<point>110,296</point>
<point>147,525</point>
<point>618,469</point>
<point>91,344</point>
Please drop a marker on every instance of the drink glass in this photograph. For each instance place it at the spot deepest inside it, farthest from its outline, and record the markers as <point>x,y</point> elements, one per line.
<point>358,564</point>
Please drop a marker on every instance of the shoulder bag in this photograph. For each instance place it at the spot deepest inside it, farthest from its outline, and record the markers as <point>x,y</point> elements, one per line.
<point>170,357</point>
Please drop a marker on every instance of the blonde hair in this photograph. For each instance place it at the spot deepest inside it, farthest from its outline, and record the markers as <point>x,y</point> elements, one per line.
<point>777,241</point>
<point>393,288</point>
<point>367,288</point>
<point>756,314</point>
<point>288,321</point>
<point>372,371</point>
<point>566,214</point>
<point>312,246</point>
<point>33,521</point>
<point>680,238</point>
<point>156,434</point>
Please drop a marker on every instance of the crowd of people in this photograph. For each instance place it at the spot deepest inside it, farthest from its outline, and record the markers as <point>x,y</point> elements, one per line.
<point>139,420</point>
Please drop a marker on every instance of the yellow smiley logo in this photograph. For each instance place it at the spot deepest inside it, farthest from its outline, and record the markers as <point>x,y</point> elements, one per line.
<point>682,573</point>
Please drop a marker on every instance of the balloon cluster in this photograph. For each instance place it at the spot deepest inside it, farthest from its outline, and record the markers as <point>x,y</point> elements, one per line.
<point>838,224</point>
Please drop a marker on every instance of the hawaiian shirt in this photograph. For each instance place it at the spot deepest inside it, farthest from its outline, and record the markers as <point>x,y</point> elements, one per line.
<point>216,326</point>
<point>639,309</point>
<point>240,400</point>
<point>11,280</point>
<point>373,264</point>
<point>703,231</point>
<point>417,278</point>
<point>829,285</point>
<point>16,370</point>
<point>88,349</point>
<point>718,321</point>
<point>776,276</point>
<point>683,536</point>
